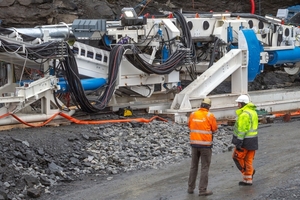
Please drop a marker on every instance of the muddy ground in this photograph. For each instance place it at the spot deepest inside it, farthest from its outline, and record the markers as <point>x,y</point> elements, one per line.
<point>276,162</point>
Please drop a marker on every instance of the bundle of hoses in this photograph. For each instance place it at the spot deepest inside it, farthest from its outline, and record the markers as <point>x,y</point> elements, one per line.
<point>172,62</point>
<point>70,71</point>
<point>115,59</point>
<point>165,68</point>
<point>44,51</point>
<point>69,66</point>
<point>186,34</point>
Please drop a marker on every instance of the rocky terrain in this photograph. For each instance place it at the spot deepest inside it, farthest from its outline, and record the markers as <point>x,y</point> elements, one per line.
<point>36,159</point>
<point>31,13</point>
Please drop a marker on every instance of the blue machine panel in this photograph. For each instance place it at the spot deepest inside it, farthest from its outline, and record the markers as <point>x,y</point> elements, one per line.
<point>254,50</point>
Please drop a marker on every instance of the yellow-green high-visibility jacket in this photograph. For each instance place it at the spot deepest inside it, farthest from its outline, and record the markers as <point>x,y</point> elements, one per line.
<point>245,128</point>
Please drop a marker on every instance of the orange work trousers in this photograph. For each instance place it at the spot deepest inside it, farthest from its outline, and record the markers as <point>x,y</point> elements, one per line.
<point>244,161</point>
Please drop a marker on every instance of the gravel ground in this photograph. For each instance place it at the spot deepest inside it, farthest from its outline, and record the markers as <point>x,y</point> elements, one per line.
<point>47,162</point>
<point>34,160</point>
<point>276,163</point>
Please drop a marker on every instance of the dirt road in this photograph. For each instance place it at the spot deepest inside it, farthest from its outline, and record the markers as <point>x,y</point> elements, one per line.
<point>277,175</point>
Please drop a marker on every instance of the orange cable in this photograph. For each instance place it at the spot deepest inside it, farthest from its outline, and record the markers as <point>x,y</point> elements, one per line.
<point>39,125</point>
<point>111,120</point>
<point>5,115</point>
<point>76,121</point>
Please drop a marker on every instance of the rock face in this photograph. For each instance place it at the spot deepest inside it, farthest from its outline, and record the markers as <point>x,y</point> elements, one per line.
<point>30,13</point>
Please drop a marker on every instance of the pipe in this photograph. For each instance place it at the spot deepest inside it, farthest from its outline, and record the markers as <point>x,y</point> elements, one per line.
<point>59,31</point>
<point>87,84</point>
<point>284,56</point>
<point>252,6</point>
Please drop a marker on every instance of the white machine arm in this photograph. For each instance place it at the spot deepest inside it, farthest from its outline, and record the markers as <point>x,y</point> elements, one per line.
<point>233,63</point>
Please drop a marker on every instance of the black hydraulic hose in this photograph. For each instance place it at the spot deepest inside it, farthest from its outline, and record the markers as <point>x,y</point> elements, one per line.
<point>71,74</point>
<point>115,59</point>
<point>70,69</point>
<point>186,33</point>
<point>270,39</point>
<point>213,56</point>
<point>73,81</point>
<point>146,38</point>
<point>169,43</point>
<point>279,39</point>
<point>185,29</point>
<point>165,68</point>
<point>280,36</point>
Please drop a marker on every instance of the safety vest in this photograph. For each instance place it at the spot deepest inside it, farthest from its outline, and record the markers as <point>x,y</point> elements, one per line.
<point>247,122</point>
<point>202,125</point>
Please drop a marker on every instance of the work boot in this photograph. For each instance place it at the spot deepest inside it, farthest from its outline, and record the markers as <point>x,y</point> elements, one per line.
<point>205,193</point>
<point>190,191</point>
<point>242,183</point>
<point>253,173</point>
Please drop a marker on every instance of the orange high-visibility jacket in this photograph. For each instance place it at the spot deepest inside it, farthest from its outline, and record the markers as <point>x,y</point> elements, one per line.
<point>202,124</point>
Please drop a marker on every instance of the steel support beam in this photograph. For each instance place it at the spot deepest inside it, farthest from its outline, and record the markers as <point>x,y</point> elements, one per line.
<point>224,105</point>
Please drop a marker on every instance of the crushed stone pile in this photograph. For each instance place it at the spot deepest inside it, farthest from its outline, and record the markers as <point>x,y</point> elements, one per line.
<point>36,159</point>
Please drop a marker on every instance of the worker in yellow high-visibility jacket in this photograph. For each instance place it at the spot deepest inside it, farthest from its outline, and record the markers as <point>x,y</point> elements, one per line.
<point>245,138</point>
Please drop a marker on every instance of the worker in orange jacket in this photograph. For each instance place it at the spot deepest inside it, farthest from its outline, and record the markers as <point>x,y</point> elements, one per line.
<point>203,125</point>
<point>245,138</point>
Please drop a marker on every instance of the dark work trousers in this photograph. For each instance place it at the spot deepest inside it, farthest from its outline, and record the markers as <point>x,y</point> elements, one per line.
<point>203,154</point>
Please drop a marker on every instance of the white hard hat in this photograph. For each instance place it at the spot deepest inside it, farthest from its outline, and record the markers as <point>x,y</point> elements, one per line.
<point>243,99</point>
<point>207,101</point>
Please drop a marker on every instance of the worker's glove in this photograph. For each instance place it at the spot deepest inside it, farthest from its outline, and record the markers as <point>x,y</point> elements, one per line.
<point>238,148</point>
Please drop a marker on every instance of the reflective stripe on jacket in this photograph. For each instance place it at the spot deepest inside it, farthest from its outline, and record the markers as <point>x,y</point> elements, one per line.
<point>245,128</point>
<point>202,124</point>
